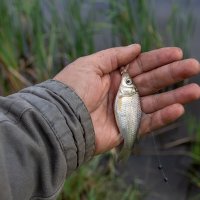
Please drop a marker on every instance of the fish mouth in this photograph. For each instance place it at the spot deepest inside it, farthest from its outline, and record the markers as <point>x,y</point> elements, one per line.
<point>124,69</point>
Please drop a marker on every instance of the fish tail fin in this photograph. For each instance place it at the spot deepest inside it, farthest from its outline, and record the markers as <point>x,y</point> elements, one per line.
<point>122,154</point>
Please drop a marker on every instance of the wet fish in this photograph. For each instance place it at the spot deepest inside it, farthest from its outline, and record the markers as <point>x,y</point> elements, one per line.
<point>127,114</point>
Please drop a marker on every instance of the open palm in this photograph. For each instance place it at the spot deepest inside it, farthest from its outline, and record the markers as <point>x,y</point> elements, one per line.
<point>96,79</point>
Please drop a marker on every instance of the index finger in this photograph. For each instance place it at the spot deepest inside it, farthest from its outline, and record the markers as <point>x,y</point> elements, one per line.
<point>152,59</point>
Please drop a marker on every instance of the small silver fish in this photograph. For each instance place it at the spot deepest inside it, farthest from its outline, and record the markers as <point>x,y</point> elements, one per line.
<point>127,114</point>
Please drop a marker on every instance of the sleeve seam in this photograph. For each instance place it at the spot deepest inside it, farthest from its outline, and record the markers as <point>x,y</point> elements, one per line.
<point>76,113</point>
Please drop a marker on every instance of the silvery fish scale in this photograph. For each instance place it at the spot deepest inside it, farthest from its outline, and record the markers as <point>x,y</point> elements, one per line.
<point>127,114</point>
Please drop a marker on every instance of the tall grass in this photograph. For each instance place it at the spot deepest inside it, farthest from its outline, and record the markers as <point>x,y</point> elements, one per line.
<point>8,51</point>
<point>133,22</point>
<point>180,28</point>
<point>38,38</point>
<point>98,181</point>
<point>194,131</point>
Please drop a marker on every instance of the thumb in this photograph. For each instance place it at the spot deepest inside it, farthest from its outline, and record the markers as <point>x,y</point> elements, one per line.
<point>110,59</point>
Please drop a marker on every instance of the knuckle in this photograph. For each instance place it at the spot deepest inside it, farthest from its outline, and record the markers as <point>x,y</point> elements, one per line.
<point>140,64</point>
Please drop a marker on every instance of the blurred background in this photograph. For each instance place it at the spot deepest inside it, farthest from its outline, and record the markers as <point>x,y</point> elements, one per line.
<point>39,37</point>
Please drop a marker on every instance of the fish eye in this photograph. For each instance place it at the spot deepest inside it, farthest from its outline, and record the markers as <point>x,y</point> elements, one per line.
<point>128,81</point>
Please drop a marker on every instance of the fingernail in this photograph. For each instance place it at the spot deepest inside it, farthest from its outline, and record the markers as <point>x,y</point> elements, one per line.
<point>180,52</point>
<point>135,46</point>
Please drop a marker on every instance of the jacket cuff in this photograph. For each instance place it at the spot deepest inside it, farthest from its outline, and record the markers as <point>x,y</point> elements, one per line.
<point>69,118</point>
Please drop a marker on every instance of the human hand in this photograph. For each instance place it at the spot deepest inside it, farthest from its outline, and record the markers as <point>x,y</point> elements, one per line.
<point>96,79</point>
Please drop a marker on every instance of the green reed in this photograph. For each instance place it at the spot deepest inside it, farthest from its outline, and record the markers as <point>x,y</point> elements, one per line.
<point>194,131</point>
<point>97,181</point>
<point>133,22</point>
<point>38,38</point>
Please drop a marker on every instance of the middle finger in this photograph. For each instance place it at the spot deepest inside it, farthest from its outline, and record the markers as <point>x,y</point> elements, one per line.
<point>152,81</point>
<point>182,95</point>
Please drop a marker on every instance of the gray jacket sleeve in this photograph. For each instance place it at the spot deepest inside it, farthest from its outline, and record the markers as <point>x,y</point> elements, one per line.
<point>45,134</point>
